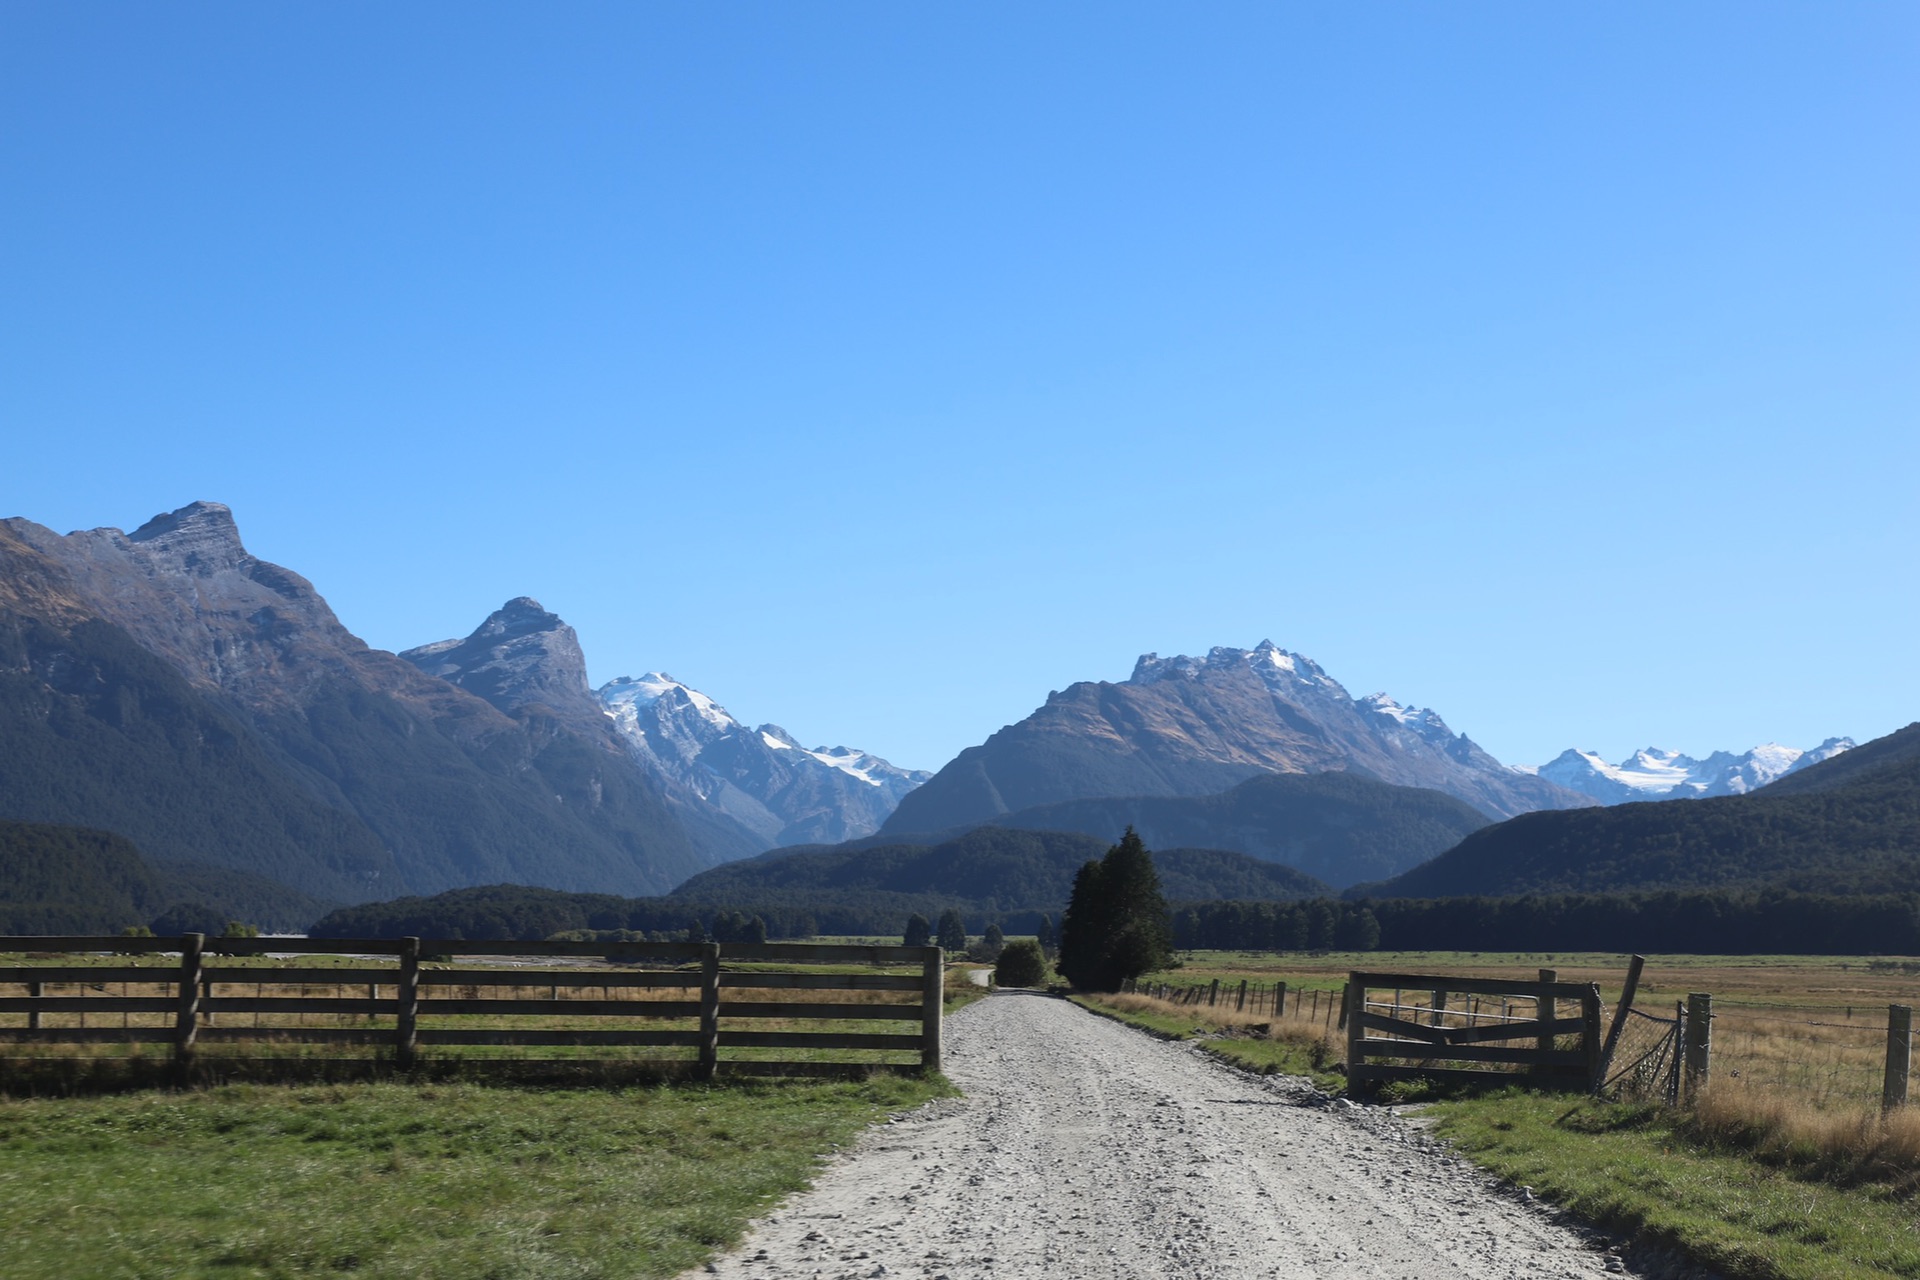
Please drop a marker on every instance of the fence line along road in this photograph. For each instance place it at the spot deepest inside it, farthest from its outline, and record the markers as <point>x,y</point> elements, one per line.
<point>699,999</point>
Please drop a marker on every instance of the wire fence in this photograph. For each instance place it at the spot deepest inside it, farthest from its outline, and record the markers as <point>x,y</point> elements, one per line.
<point>1839,1056</point>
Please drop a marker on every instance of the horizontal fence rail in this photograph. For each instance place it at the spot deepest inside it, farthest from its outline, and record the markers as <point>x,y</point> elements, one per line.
<point>722,1007</point>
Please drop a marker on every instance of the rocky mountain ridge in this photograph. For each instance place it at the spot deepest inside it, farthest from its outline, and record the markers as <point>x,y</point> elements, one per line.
<point>170,686</point>
<point>740,789</point>
<point>1195,726</point>
<point>762,776</point>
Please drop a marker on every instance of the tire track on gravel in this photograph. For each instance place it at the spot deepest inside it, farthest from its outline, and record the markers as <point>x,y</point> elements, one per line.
<point>1086,1149</point>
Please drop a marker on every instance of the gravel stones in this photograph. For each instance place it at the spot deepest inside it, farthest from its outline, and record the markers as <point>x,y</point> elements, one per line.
<point>1086,1150</point>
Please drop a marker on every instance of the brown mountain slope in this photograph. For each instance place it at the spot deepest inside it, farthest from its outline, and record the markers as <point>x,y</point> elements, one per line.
<point>457,791</point>
<point>1196,726</point>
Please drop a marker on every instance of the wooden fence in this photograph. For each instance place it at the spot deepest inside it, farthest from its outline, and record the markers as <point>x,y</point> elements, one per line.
<point>1395,1041</point>
<point>1664,1053</point>
<point>717,1008</point>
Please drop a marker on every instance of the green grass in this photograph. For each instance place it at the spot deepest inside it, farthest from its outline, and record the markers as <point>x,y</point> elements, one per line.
<point>1265,1056</point>
<point>460,1181</point>
<point>1631,1168</point>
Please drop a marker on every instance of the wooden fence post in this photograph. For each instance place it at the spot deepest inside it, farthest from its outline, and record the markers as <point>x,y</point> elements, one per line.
<point>1439,1007</point>
<point>406,1006</point>
<point>1544,1009</point>
<point>1213,994</point>
<point>1280,1000</point>
<point>709,1010</point>
<point>1699,1040</point>
<point>186,1023</point>
<point>1242,1006</point>
<point>1590,1035</point>
<point>1893,1092</point>
<point>1352,1006</point>
<point>34,992</point>
<point>933,995</point>
<point>1634,966</point>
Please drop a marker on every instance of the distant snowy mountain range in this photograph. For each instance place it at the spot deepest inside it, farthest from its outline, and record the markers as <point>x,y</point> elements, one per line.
<point>761,777</point>
<point>1655,774</point>
<point>171,662</point>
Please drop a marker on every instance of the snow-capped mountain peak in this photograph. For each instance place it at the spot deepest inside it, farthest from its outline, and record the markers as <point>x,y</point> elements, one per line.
<point>1421,720</point>
<point>625,695</point>
<point>1654,773</point>
<point>762,778</point>
<point>868,768</point>
<point>1186,725</point>
<point>1275,666</point>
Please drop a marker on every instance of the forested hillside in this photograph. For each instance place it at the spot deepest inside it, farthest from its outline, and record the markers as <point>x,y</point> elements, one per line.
<point>1850,825</point>
<point>993,867</point>
<point>56,879</point>
<point>1339,827</point>
<point>990,876</point>
<point>96,732</point>
<point>1702,923</point>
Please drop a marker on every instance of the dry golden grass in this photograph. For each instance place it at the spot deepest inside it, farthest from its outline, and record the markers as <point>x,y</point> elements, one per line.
<point>1799,1042</point>
<point>1854,1143</point>
<point>1297,1026</point>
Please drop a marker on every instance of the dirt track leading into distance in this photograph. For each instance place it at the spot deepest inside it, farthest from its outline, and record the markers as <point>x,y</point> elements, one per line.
<point>1086,1149</point>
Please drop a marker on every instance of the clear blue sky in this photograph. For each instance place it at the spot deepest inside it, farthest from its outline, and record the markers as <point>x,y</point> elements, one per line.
<point>877,368</point>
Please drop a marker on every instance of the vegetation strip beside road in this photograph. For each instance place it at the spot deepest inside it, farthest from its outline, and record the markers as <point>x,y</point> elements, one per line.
<point>1638,1169</point>
<point>447,1182</point>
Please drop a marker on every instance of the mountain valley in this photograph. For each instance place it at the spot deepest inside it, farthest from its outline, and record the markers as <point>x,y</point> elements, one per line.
<point>169,688</point>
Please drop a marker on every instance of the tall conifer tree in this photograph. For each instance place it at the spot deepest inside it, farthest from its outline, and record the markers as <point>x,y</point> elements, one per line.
<point>953,932</point>
<point>1116,922</point>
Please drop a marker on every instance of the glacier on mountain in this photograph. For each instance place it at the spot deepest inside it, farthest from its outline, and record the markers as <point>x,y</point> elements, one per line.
<point>1654,773</point>
<point>760,776</point>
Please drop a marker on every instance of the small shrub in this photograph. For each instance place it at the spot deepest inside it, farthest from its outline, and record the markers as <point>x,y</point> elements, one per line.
<point>919,933</point>
<point>1021,964</point>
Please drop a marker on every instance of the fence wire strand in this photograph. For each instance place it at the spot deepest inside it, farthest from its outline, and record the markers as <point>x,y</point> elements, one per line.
<point>1645,1058</point>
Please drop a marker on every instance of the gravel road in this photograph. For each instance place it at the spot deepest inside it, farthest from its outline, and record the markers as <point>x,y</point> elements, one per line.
<point>1086,1149</point>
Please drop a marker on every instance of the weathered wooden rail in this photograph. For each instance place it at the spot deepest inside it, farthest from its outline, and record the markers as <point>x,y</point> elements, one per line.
<point>697,997</point>
<point>1433,1040</point>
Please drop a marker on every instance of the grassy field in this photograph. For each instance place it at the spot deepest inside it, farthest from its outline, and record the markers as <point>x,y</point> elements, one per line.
<point>453,1182</point>
<point>1807,1028</point>
<point>1644,1170</point>
<point>453,1172</point>
<point>1782,1170</point>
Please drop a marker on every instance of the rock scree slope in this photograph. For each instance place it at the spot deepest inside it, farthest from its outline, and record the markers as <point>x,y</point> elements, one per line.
<point>1086,1149</point>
